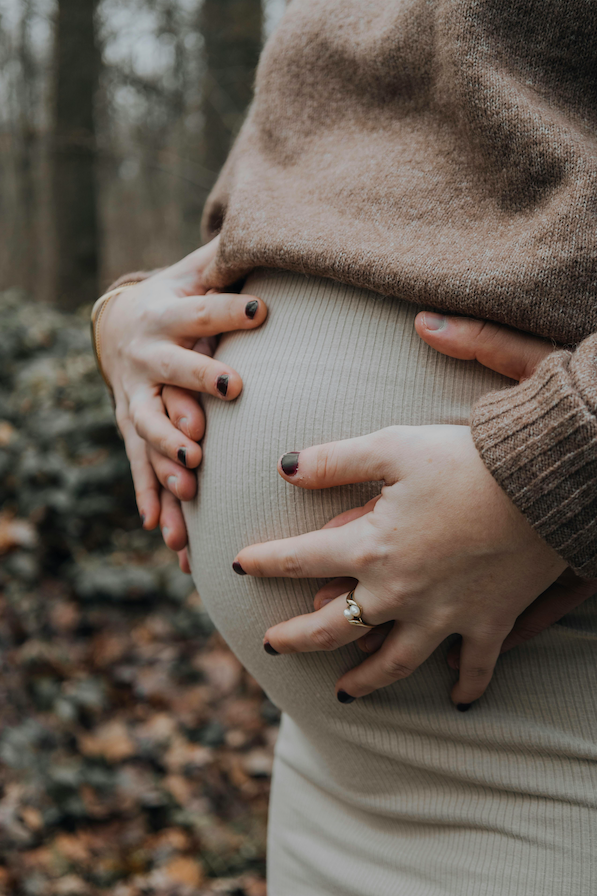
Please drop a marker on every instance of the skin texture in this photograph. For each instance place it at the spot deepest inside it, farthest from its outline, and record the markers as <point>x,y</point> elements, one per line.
<point>157,340</point>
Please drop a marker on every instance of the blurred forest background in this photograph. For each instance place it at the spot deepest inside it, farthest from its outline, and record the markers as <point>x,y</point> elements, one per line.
<point>115,118</point>
<point>135,752</point>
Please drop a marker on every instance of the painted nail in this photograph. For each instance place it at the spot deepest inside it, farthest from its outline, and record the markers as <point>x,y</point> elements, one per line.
<point>222,384</point>
<point>182,456</point>
<point>435,321</point>
<point>271,650</point>
<point>251,309</point>
<point>238,568</point>
<point>289,463</point>
<point>142,515</point>
<point>463,707</point>
<point>343,697</point>
<point>172,483</point>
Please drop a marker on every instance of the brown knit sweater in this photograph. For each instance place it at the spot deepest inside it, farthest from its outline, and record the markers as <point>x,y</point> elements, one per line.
<point>444,151</point>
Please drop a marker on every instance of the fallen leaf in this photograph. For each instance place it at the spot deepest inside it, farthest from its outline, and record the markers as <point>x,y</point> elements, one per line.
<point>184,870</point>
<point>111,741</point>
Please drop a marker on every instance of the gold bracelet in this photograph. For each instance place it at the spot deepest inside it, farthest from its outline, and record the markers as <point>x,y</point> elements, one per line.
<point>96,316</point>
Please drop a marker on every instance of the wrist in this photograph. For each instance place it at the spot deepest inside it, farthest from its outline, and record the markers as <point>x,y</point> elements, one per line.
<point>99,314</point>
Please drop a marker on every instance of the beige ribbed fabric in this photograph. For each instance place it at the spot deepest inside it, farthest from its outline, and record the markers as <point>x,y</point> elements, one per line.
<point>397,794</point>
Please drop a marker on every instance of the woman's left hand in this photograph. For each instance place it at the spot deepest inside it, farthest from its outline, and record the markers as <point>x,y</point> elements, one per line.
<point>441,550</point>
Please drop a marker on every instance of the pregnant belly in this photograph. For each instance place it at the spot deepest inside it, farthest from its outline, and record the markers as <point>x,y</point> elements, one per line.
<point>333,362</point>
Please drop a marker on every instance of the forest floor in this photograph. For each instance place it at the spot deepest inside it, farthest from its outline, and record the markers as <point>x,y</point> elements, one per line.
<point>135,751</point>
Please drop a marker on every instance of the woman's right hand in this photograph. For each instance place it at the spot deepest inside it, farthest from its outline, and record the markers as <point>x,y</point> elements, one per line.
<point>156,345</point>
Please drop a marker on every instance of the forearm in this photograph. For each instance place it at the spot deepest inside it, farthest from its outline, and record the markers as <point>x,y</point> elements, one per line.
<point>539,441</point>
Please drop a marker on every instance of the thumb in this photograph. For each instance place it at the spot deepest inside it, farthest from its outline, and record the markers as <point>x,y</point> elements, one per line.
<point>510,352</point>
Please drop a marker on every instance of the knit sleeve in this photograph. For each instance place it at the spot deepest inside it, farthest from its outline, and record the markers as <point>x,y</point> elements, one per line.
<point>539,441</point>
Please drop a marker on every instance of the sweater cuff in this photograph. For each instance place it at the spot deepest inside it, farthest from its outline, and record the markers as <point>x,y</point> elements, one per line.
<point>539,441</point>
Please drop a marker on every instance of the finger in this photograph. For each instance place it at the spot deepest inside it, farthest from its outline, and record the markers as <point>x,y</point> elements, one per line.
<point>367,458</point>
<point>184,411</point>
<point>173,477</point>
<point>376,637</point>
<point>510,352</point>
<point>183,561</point>
<point>352,514</point>
<point>327,552</point>
<point>149,418</point>
<point>560,598</point>
<point>325,629</point>
<point>478,657</point>
<point>331,590</point>
<point>368,643</point>
<point>196,317</point>
<point>172,365</point>
<point>405,648</point>
<point>145,483</point>
<point>172,524</point>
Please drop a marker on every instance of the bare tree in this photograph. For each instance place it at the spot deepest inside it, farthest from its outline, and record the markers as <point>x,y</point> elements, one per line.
<point>73,154</point>
<point>232,31</point>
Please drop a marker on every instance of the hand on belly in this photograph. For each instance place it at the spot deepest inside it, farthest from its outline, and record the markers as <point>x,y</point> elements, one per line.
<point>442,550</point>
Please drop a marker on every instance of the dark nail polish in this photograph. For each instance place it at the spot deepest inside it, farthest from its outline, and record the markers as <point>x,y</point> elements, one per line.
<point>182,456</point>
<point>463,707</point>
<point>222,384</point>
<point>271,650</point>
<point>238,568</point>
<point>343,697</point>
<point>142,519</point>
<point>289,463</point>
<point>251,309</point>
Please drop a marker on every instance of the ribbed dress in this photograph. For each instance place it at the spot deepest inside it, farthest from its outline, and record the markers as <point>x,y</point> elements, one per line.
<point>396,794</point>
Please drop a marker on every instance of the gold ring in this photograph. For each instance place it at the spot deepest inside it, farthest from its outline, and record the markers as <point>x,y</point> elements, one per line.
<point>354,613</point>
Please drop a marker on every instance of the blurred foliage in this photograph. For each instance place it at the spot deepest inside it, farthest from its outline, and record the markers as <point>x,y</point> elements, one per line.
<point>135,752</point>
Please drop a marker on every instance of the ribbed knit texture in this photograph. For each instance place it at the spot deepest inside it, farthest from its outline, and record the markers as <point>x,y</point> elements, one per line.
<point>444,152</point>
<point>397,794</point>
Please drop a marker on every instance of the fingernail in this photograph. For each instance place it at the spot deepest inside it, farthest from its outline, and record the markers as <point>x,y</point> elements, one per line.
<point>434,321</point>
<point>251,309</point>
<point>463,707</point>
<point>343,697</point>
<point>182,456</point>
<point>142,515</point>
<point>289,463</point>
<point>238,568</point>
<point>165,532</point>
<point>222,384</point>
<point>327,600</point>
<point>183,425</point>
<point>271,650</point>
<point>172,483</point>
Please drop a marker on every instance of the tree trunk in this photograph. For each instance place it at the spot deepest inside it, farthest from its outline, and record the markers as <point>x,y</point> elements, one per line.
<point>233,32</point>
<point>73,155</point>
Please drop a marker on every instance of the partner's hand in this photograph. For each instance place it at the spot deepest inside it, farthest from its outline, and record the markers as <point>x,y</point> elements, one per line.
<point>516,355</point>
<point>442,550</point>
<point>147,334</point>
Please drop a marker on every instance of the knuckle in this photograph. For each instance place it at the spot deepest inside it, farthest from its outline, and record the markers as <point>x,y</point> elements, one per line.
<point>323,638</point>
<point>203,315</point>
<point>369,552</point>
<point>165,366</point>
<point>326,464</point>
<point>292,566</point>
<point>396,668</point>
<point>478,673</point>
